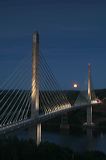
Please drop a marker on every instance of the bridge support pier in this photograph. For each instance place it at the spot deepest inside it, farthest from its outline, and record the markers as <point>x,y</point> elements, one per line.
<point>36,131</point>
<point>89,115</point>
<point>89,122</point>
<point>64,122</point>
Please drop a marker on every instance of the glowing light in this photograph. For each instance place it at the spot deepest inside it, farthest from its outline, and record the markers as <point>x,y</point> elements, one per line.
<point>75,85</point>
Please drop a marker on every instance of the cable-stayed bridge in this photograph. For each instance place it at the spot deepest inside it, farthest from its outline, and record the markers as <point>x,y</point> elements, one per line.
<point>32,95</point>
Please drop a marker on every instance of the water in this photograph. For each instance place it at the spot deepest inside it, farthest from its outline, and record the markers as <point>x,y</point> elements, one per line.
<point>77,142</point>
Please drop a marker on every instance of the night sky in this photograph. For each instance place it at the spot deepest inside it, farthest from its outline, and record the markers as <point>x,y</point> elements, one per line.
<point>72,34</point>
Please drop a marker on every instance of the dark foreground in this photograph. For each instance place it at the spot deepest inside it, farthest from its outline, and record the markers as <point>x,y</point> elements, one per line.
<point>26,150</point>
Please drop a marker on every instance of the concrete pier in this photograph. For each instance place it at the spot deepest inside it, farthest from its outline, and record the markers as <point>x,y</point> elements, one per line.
<point>64,122</point>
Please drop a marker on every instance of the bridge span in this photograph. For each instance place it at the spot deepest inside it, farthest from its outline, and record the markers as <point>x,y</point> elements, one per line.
<point>20,109</point>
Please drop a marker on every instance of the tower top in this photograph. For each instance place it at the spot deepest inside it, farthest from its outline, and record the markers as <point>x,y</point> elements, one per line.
<point>35,37</point>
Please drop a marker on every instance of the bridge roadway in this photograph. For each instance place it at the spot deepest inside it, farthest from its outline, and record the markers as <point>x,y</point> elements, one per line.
<point>41,118</point>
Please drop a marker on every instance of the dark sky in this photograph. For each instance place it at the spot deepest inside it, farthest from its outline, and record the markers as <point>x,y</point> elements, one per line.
<point>72,34</point>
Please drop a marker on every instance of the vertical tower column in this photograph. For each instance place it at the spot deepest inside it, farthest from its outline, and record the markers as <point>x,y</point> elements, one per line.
<point>89,108</point>
<point>89,122</point>
<point>36,131</point>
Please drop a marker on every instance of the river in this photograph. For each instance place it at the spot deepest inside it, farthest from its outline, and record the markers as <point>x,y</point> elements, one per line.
<point>77,142</point>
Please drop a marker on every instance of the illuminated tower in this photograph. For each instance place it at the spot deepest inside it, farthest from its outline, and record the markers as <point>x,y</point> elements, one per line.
<point>89,108</point>
<point>35,86</point>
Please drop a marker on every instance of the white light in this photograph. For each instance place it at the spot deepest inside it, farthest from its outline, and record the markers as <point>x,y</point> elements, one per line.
<point>75,85</point>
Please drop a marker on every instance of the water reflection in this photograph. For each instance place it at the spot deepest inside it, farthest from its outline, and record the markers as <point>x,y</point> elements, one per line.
<point>78,141</point>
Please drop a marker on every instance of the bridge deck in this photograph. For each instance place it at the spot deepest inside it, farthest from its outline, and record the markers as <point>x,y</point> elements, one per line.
<point>30,122</point>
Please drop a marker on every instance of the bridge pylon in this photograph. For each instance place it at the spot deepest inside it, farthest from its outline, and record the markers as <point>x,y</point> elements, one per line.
<point>89,122</point>
<point>64,124</point>
<point>36,130</point>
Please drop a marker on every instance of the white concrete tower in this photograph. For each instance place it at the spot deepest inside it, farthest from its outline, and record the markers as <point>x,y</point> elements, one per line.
<point>35,86</point>
<point>89,108</point>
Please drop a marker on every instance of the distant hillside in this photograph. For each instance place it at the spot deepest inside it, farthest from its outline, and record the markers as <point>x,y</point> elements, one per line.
<point>72,94</point>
